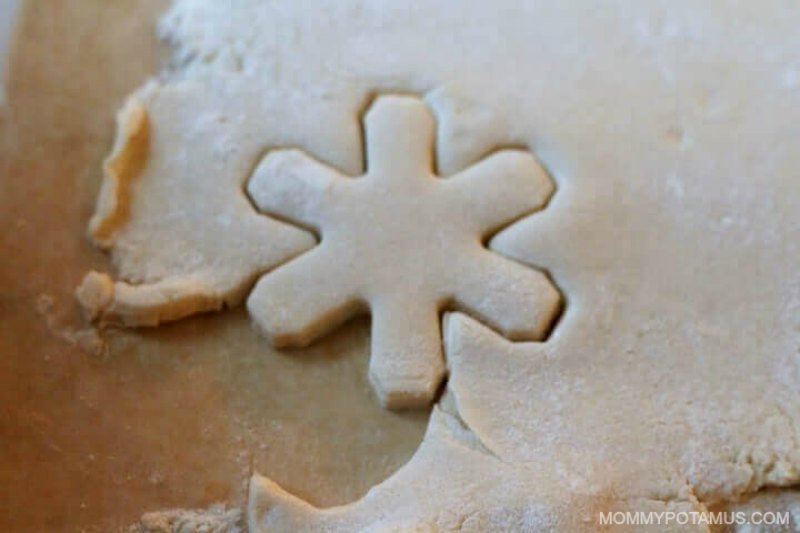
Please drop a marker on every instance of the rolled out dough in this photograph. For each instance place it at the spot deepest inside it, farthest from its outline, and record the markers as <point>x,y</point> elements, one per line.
<point>670,128</point>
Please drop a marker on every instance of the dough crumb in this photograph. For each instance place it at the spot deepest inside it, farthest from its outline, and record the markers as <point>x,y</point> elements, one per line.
<point>95,294</point>
<point>214,519</point>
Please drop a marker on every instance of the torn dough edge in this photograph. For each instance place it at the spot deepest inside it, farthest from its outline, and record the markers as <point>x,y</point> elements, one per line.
<point>128,158</point>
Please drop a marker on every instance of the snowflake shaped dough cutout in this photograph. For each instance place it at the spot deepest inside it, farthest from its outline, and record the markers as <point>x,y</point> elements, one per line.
<point>403,244</point>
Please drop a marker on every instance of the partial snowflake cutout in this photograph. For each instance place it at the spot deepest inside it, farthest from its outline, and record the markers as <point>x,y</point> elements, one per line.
<point>403,244</point>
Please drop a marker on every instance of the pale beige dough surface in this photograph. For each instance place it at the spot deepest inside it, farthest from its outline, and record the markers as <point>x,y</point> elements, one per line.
<point>670,129</point>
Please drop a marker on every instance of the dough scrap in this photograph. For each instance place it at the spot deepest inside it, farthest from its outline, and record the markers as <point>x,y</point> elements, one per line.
<point>403,242</point>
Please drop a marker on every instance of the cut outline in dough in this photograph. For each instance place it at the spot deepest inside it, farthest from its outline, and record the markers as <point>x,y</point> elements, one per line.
<point>406,365</point>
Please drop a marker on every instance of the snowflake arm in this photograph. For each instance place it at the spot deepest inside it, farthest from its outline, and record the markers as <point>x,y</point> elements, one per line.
<point>520,302</point>
<point>501,188</point>
<point>291,185</point>
<point>293,306</point>
<point>407,363</point>
<point>401,133</point>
